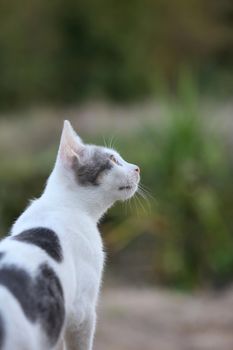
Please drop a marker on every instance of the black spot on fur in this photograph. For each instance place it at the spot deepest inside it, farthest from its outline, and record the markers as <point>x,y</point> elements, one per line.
<point>44,238</point>
<point>50,302</point>
<point>18,282</point>
<point>89,173</point>
<point>2,255</point>
<point>2,332</point>
<point>41,299</point>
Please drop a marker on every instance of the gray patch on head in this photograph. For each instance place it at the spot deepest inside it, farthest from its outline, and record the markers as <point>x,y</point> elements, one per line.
<point>90,172</point>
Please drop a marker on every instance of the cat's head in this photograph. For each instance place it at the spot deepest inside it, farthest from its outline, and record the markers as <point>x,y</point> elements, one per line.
<point>99,171</point>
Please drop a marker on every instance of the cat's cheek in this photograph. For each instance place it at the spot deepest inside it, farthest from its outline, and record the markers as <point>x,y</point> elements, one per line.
<point>113,180</point>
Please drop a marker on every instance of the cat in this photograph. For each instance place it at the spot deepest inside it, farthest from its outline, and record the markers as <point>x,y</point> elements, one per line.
<point>51,263</point>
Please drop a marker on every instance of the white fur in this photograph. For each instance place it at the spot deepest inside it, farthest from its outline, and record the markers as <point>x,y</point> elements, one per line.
<point>72,211</point>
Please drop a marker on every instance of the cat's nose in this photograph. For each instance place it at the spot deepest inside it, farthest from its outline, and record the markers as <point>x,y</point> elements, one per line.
<point>137,169</point>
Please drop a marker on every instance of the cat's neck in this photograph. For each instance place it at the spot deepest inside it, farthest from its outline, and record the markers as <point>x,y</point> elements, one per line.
<point>60,194</point>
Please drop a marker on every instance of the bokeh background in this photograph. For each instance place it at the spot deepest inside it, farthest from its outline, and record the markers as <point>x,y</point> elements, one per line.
<point>153,78</point>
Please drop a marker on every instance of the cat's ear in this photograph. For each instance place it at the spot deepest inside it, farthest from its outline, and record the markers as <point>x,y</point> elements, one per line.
<point>71,145</point>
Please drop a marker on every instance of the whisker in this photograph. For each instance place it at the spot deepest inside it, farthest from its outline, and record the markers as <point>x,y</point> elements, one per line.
<point>143,194</point>
<point>125,206</point>
<point>147,202</point>
<point>130,205</point>
<point>104,140</point>
<point>144,186</point>
<point>140,203</point>
<point>112,140</point>
<point>134,199</point>
<point>146,191</point>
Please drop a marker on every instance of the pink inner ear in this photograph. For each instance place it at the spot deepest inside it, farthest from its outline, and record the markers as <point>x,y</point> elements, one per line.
<point>67,154</point>
<point>70,146</point>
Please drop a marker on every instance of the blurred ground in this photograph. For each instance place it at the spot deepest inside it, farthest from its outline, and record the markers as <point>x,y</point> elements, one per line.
<point>135,319</point>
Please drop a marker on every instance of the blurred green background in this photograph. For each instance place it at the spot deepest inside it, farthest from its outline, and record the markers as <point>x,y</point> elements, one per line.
<point>155,77</point>
<point>64,52</point>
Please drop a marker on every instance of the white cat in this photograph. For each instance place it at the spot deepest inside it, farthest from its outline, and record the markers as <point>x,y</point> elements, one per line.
<point>51,265</point>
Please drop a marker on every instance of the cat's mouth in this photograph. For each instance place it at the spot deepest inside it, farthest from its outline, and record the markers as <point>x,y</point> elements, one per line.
<point>121,188</point>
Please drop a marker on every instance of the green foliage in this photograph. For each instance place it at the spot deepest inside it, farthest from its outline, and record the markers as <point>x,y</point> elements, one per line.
<point>66,51</point>
<point>189,172</point>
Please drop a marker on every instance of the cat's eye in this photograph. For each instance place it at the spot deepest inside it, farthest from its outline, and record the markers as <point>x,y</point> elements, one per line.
<point>114,160</point>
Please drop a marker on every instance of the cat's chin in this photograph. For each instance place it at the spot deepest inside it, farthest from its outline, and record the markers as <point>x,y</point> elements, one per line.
<point>126,192</point>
